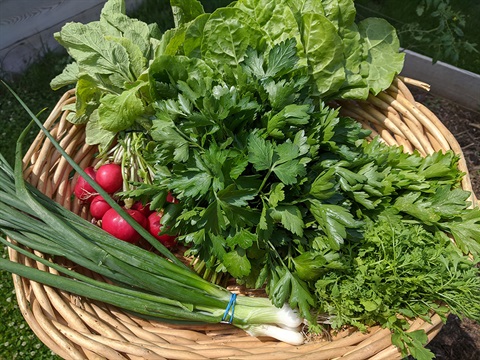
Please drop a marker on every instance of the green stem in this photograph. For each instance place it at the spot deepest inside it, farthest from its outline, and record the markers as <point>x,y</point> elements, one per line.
<point>19,177</point>
<point>131,300</point>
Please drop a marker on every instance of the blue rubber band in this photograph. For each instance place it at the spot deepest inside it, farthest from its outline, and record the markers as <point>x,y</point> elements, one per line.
<point>230,310</point>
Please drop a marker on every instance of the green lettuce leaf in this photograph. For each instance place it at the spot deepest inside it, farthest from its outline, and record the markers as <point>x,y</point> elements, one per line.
<point>382,46</point>
<point>324,50</point>
<point>192,45</point>
<point>119,112</point>
<point>185,11</point>
<point>340,12</point>
<point>275,18</point>
<point>227,34</point>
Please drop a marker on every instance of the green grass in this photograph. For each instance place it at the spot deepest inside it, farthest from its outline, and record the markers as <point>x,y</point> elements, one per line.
<point>17,341</point>
<point>33,87</point>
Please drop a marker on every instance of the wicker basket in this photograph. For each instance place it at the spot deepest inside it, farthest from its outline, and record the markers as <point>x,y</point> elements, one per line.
<point>77,328</point>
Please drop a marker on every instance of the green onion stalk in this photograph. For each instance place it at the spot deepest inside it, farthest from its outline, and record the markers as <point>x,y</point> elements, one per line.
<point>127,153</point>
<point>141,282</point>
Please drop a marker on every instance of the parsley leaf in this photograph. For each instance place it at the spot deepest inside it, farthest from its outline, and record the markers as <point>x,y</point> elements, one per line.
<point>260,152</point>
<point>334,221</point>
<point>466,231</point>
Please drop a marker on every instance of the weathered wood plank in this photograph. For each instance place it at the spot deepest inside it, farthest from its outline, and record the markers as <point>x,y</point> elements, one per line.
<point>447,81</point>
<point>22,18</point>
<point>27,26</point>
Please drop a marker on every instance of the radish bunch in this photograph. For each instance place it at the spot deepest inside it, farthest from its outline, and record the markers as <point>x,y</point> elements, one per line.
<point>109,177</point>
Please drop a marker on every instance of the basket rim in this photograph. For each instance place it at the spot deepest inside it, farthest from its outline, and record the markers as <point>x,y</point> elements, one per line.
<point>74,327</point>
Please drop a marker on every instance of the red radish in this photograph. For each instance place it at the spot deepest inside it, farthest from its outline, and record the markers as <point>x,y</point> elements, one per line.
<point>109,177</point>
<point>144,209</point>
<point>172,199</point>
<point>154,227</point>
<point>117,226</point>
<point>98,207</point>
<point>83,190</point>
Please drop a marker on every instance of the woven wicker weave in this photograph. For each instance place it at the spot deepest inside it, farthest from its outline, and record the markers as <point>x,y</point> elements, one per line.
<point>77,328</point>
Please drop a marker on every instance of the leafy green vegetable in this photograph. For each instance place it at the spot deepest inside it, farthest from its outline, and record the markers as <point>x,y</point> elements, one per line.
<point>185,11</point>
<point>345,59</point>
<point>113,56</point>
<point>227,34</point>
<point>110,57</point>
<point>119,112</point>
<point>114,52</point>
<point>324,52</point>
<point>275,188</point>
<point>381,48</point>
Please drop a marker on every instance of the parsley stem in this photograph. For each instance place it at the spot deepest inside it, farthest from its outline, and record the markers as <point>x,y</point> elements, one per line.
<point>264,182</point>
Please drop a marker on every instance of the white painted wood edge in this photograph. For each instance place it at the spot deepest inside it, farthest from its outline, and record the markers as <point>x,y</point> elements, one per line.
<point>20,19</point>
<point>19,49</point>
<point>447,81</point>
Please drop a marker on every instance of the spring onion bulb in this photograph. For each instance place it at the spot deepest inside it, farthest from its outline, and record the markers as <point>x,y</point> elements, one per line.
<point>288,335</point>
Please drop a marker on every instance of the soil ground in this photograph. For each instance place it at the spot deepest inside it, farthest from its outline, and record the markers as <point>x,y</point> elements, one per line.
<point>459,339</point>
